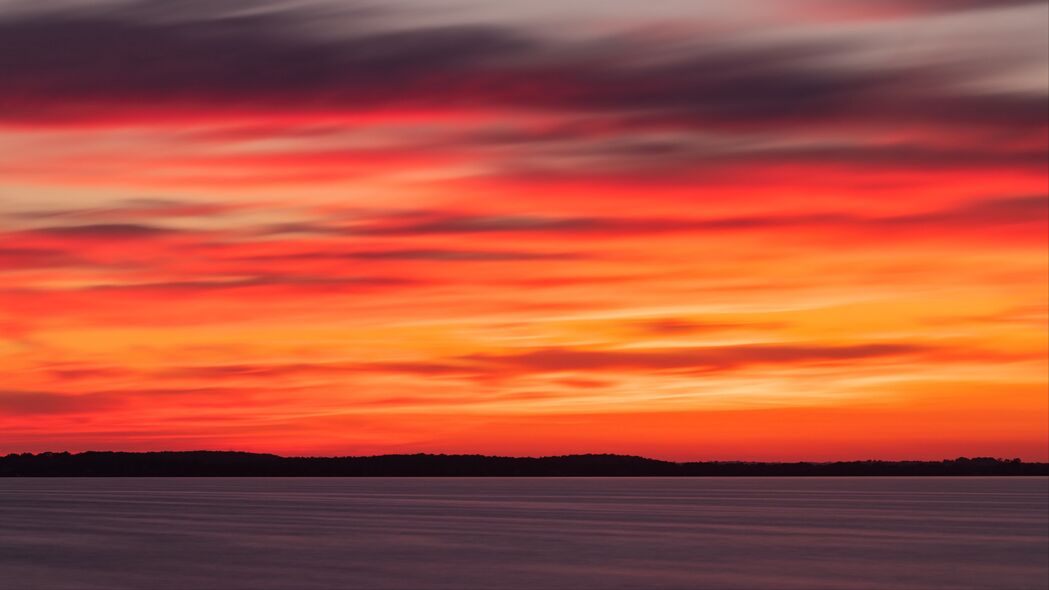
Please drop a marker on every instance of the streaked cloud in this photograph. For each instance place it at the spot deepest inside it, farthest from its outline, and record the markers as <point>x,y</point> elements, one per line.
<point>794,229</point>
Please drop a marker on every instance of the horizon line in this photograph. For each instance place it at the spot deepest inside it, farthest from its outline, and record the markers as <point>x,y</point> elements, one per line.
<point>587,454</point>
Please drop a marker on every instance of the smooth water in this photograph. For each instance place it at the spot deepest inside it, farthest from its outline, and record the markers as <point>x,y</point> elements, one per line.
<point>259,533</point>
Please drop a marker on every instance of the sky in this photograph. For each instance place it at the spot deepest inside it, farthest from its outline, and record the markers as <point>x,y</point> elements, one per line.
<point>757,230</point>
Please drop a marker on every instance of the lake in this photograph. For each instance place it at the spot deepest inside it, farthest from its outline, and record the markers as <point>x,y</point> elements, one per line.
<point>563,533</point>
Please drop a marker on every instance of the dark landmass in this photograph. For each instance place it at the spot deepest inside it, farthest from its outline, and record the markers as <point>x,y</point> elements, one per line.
<point>237,464</point>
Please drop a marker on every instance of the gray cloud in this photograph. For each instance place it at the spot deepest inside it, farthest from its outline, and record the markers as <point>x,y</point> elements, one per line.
<point>690,359</point>
<point>136,59</point>
<point>440,255</point>
<point>979,214</point>
<point>106,231</point>
<point>928,6</point>
<point>219,284</point>
<point>40,402</point>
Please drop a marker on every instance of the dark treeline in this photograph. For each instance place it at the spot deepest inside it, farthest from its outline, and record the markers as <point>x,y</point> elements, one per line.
<point>236,464</point>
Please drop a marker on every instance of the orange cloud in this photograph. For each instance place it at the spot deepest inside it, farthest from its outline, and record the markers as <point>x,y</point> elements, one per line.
<point>364,235</point>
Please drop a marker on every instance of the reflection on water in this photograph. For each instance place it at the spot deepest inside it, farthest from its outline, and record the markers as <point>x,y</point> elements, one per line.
<point>259,533</point>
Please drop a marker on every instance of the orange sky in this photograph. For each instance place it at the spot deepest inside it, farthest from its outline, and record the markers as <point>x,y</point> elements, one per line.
<point>776,230</point>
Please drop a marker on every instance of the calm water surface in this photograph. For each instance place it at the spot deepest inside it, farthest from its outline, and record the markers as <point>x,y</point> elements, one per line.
<point>749,533</point>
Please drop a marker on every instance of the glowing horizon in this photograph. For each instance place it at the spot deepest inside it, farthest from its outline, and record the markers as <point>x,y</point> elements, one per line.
<point>771,231</point>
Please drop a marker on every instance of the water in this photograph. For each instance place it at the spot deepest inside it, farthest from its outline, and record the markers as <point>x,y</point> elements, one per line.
<point>748,533</point>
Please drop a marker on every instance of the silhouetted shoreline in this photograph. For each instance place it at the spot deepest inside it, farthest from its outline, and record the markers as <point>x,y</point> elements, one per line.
<point>239,464</point>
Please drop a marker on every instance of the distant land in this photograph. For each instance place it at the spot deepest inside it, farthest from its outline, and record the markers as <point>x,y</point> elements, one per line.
<point>239,464</point>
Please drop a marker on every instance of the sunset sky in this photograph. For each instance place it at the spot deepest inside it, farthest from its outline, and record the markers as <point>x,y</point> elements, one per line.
<point>757,230</point>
